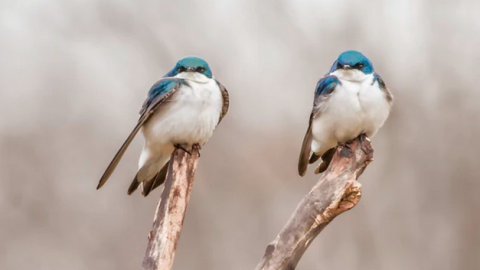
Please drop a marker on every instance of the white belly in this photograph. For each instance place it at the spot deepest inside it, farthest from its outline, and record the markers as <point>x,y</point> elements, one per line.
<point>353,108</point>
<point>189,117</point>
<point>375,107</point>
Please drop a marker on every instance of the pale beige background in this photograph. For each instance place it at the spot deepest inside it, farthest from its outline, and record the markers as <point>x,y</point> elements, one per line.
<point>73,75</point>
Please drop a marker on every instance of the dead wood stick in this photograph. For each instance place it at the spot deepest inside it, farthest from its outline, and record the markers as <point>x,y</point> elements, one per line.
<point>336,192</point>
<point>168,221</point>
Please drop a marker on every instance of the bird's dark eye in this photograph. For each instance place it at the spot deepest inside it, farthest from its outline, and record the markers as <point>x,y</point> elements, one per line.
<point>200,69</point>
<point>359,66</point>
<point>339,66</point>
<point>181,69</point>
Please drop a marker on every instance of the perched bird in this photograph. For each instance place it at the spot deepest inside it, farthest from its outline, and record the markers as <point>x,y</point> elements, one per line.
<point>350,100</point>
<point>181,110</point>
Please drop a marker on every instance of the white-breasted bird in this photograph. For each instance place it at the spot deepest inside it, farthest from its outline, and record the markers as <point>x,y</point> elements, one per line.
<point>350,100</point>
<point>181,110</point>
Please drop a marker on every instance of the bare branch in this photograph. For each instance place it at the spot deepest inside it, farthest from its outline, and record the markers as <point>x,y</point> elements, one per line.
<point>168,221</point>
<point>336,192</point>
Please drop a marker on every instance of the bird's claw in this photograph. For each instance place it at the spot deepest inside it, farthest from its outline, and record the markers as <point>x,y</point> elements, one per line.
<point>364,136</point>
<point>179,146</point>
<point>197,147</point>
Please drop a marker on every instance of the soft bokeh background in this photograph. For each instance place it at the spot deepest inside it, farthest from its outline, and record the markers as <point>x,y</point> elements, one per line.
<point>73,75</point>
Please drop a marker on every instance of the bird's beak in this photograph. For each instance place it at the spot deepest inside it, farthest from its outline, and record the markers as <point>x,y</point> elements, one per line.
<point>190,69</point>
<point>347,67</point>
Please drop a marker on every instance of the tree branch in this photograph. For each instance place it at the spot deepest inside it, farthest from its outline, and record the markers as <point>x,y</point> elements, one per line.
<point>336,192</point>
<point>168,221</point>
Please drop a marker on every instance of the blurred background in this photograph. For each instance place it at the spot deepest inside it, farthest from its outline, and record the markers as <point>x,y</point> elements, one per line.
<point>73,76</point>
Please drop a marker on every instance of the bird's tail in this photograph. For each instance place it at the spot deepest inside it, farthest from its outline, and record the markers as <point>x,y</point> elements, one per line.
<point>150,175</point>
<point>326,159</point>
<point>159,179</point>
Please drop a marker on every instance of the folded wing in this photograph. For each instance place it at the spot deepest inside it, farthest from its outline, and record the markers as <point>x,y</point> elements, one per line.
<point>323,91</point>
<point>158,95</point>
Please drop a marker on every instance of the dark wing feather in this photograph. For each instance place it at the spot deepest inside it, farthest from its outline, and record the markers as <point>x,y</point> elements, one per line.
<point>326,159</point>
<point>159,179</point>
<point>133,186</point>
<point>383,87</point>
<point>158,94</point>
<point>306,149</point>
<point>313,158</point>
<point>323,91</point>
<point>226,101</point>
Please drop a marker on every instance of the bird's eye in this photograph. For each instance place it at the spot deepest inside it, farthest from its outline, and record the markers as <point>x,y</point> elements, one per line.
<point>181,69</point>
<point>359,66</point>
<point>339,66</point>
<point>200,69</point>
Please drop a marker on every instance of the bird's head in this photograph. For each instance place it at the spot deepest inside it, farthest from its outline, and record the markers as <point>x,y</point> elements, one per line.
<point>191,67</point>
<point>352,65</point>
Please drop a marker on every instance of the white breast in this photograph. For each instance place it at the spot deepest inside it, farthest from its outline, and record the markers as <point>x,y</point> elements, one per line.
<point>375,107</point>
<point>354,107</point>
<point>189,117</point>
<point>340,116</point>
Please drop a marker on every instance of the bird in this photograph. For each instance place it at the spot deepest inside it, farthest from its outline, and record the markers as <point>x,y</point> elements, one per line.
<point>350,100</point>
<point>181,110</point>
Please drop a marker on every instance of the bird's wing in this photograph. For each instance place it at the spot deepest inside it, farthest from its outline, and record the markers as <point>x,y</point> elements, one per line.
<point>306,147</point>
<point>383,87</point>
<point>323,91</point>
<point>158,95</point>
<point>226,101</point>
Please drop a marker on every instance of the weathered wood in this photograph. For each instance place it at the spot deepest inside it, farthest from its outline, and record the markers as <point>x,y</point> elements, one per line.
<point>336,192</point>
<point>168,221</point>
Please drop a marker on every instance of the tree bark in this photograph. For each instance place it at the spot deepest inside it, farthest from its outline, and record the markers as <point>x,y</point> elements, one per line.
<point>168,221</point>
<point>336,192</point>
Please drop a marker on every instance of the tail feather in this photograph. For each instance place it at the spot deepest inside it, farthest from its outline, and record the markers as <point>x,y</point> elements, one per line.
<point>113,164</point>
<point>161,176</point>
<point>147,186</point>
<point>326,159</point>
<point>159,179</point>
<point>305,151</point>
<point>133,186</point>
<point>313,158</point>
<point>148,183</point>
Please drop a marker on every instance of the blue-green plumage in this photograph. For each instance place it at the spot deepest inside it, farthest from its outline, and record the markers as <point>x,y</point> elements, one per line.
<point>194,63</point>
<point>353,59</point>
<point>326,85</point>
<point>163,86</point>
<point>160,89</point>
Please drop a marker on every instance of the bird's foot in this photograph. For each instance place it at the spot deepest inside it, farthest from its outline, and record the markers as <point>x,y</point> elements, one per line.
<point>197,147</point>
<point>185,147</point>
<point>350,141</point>
<point>367,148</point>
<point>345,144</point>
<point>363,137</point>
<point>182,146</point>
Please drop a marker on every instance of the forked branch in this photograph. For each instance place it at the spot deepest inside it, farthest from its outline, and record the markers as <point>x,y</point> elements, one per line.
<point>336,192</point>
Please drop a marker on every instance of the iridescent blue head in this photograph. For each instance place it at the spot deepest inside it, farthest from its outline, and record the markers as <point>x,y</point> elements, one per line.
<point>192,65</point>
<point>352,60</point>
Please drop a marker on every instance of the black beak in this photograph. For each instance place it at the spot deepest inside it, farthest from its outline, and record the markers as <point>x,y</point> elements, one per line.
<point>347,67</point>
<point>190,69</point>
